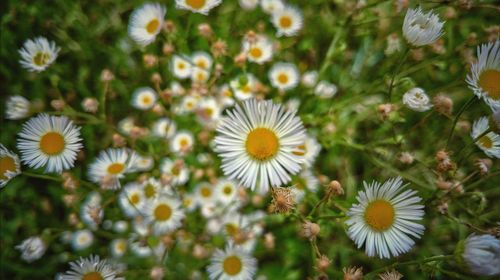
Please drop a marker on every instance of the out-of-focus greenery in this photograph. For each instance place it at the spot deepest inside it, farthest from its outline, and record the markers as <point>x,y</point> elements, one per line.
<point>93,36</point>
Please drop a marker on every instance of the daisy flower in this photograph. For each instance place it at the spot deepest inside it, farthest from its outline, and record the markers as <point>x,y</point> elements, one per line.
<point>49,141</point>
<point>256,142</point>
<point>144,163</point>
<point>284,76</point>
<point>197,6</point>
<point>233,223</point>
<point>202,60</point>
<point>208,110</point>
<point>205,194</point>
<point>232,264</point>
<point>310,78</point>
<point>288,21</point>
<point>32,249</point>
<point>481,253</point>
<point>199,75</point>
<point>485,74</point>
<point>188,104</point>
<point>181,68</point>
<point>17,107</point>
<point>9,165</point>
<point>226,191</point>
<point>271,6</point>
<point>385,218</point>
<point>146,22</point>
<point>259,50</point>
<point>309,150</point>
<point>490,142</point>
<point>176,170</point>
<point>248,4</point>
<point>153,188</point>
<point>225,96</point>
<point>165,214</point>
<point>417,100</point>
<point>304,182</point>
<point>91,268</point>
<point>182,142</point>
<point>118,247</point>
<point>144,98</point>
<point>325,89</point>
<point>38,54</point>
<point>421,28</point>
<point>164,128</point>
<point>244,86</point>
<point>82,239</point>
<point>112,165</point>
<point>131,199</point>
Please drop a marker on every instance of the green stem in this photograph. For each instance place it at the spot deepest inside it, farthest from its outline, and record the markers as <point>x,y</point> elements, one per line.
<point>42,176</point>
<point>460,112</point>
<point>396,264</point>
<point>401,62</point>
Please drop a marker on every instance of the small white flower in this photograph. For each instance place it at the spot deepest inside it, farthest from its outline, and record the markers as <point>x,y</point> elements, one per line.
<point>17,107</point>
<point>118,247</point>
<point>310,78</point>
<point>233,263</point>
<point>144,163</point>
<point>421,28</point>
<point>146,22</point>
<point>244,86</point>
<point>10,166</point>
<point>164,128</point>
<point>49,141</point>
<point>144,98</point>
<point>226,191</point>
<point>489,143</point>
<point>485,74</point>
<point>182,142</point>
<point>259,50</point>
<point>91,268</point>
<point>165,214</point>
<point>38,54</point>
<point>309,150</point>
<point>112,165</point>
<point>32,249</point>
<point>202,60</point>
<point>288,21</point>
<point>82,239</point>
<point>178,171</point>
<point>284,76</point>
<point>197,6</point>
<point>325,89</point>
<point>482,254</point>
<point>417,100</point>
<point>132,199</point>
<point>181,67</point>
<point>248,4</point>
<point>271,6</point>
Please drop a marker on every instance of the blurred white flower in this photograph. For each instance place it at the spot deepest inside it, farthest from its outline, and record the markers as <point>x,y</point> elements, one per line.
<point>146,22</point>
<point>310,78</point>
<point>144,98</point>
<point>32,248</point>
<point>197,6</point>
<point>17,107</point>
<point>490,142</point>
<point>421,28</point>
<point>284,76</point>
<point>38,54</point>
<point>325,89</point>
<point>288,21</point>
<point>482,254</point>
<point>417,100</point>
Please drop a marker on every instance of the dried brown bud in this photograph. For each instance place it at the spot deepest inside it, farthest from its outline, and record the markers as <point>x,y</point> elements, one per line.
<point>322,263</point>
<point>353,273</point>
<point>390,275</point>
<point>283,200</point>
<point>309,230</point>
<point>90,105</point>
<point>334,189</point>
<point>149,60</point>
<point>118,140</point>
<point>58,104</point>
<point>269,241</point>
<point>484,165</point>
<point>406,158</point>
<point>157,273</point>
<point>107,75</point>
<point>240,59</point>
<point>385,109</point>
<point>205,30</point>
<point>443,104</point>
<point>168,49</point>
<point>169,26</point>
<point>219,48</point>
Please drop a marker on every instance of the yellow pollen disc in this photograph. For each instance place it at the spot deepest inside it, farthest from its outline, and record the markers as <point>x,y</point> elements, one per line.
<point>162,212</point>
<point>92,276</point>
<point>232,265</point>
<point>52,143</point>
<point>181,65</point>
<point>134,198</point>
<point>231,229</point>
<point>121,246</point>
<point>285,21</point>
<point>187,202</point>
<point>184,142</point>
<point>379,215</point>
<point>206,192</point>
<point>41,58</point>
<point>301,150</point>
<point>196,4</point>
<point>227,190</point>
<point>116,168</point>
<point>149,191</point>
<point>256,52</point>
<point>262,144</point>
<point>201,64</point>
<point>146,100</point>
<point>6,164</point>
<point>152,26</point>
<point>489,81</point>
<point>246,89</point>
<point>209,112</point>
<point>283,78</point>
<point>200,76</point>
<point>176,171</point>
<point>486,142</point>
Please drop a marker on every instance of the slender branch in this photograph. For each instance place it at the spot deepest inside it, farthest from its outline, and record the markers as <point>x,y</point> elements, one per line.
<point>401,62</point>
<point>396,264</point>
<point>460,112</point>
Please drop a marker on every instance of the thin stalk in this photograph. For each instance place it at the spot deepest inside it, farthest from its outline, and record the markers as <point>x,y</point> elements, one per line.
<point>396,264</point>
<point>460,112</point>
<point>401,62</point>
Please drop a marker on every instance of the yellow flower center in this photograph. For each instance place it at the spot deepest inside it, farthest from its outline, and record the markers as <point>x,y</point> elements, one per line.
<point>232,265</point>
<point>256,52</point>
<point>486,142</point>
<point>206,192</point>
<point>181,65</point>
<point>146,100</point>
<point>196,4</point>
<point>149,191</point>
<point>152,26</point>
<point>227,190</point>
<point>201,64</point>
<point>379,215</point>
<point>6,164</point>
<point>41,58</point>
<point>262,144</point>
<point>135,198</point>
<point>200,76</point>
<point>121,246</point>
<point>285,21</point>
<point>184,142</point>
<point>231,229</point>
<point>116,168</point>
<point>94,275</point>
<point>302,150</point>
<point>52,143</point>
<point>283,78</point>
<point>209,112</point>
<point>489,81</point>
<point>162,212</point>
